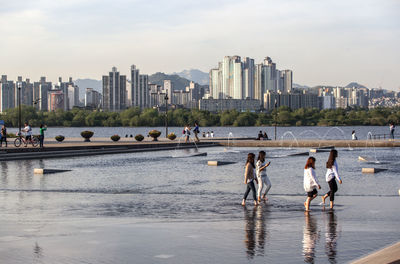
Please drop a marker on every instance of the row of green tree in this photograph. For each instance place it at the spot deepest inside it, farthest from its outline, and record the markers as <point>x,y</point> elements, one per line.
<point>283,116</point>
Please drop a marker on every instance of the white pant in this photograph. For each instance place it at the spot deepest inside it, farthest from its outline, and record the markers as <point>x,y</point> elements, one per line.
<point>263,182</point>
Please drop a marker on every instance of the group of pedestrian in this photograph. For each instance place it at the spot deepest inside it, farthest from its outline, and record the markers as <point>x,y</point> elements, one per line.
<point>256,172</point>
<point>262,136</point>
<point>208,134</point>
<point>28,134</point>
<point>311,183</point>
<point>196,131</point>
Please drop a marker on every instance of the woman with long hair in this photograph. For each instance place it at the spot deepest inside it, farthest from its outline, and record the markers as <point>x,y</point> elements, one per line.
<point>310,182</point>
<point>331,176</point>
<point>262,177</point>
<point>249,178</point>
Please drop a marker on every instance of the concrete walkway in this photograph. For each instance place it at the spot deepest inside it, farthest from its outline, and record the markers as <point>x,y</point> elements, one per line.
<point>100,146</point>
<point>389,254</point>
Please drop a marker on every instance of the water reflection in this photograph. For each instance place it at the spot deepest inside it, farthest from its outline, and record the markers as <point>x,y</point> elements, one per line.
<point>331,237</point>
<point>310,237</point>
<point>256,232</point>
<point>37,252</point>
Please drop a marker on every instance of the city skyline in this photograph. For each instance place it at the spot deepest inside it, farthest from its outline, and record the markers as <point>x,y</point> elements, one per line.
<point>329,43</point>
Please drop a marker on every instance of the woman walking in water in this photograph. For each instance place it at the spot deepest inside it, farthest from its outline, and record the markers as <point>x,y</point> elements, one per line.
<point>249,179</point>
<point>310,182</point>
<point>331,176</point>
<point>262,177</point>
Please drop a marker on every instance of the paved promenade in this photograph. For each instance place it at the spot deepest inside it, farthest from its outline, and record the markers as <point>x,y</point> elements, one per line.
<point>100,146</point>
<point>389,254</point>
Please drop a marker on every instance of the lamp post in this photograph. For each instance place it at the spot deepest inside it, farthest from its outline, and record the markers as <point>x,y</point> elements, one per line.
<point>166,114</point>
<point>19,86</point>
<point>275,115</point>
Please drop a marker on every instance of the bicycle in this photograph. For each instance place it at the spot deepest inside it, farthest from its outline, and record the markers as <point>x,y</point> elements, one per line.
<point>21,139</point>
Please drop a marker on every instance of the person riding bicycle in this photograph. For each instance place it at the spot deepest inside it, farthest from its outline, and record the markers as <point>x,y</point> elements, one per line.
<point>28,134</point>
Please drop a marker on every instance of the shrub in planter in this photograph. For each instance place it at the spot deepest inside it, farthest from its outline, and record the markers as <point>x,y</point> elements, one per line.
<point>87,135</point>
<point>115,138</point>
<point>59,138</point>
<point>171,136</point>
<point>154,134</point>
<point>139,137</point>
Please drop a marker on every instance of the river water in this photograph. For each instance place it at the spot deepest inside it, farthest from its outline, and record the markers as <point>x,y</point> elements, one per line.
<point>282,132</point>
<point>152,208</point>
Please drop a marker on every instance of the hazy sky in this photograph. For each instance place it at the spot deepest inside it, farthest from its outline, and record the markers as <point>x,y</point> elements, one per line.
<point>324,42</point>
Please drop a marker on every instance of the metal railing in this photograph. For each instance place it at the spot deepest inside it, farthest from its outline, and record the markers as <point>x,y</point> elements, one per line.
<point>383,136</point>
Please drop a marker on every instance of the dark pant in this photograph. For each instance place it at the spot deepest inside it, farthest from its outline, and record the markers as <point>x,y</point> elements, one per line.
<point>3,139</point>
<point>392,133</point>
<point>41,139</point>
<point>313,193</point>
<point>332,189</point>
<point>250,186</point>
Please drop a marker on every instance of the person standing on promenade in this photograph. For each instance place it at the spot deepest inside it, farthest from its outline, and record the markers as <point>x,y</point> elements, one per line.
<point>262,177</point>
<point>391,127</point>
<point>310,182</point>
<point>41,134</point>
<point>331,176</point>
<point>196,131</point>
<point>260,135</point>
<point>353,135</point>
<point>212,134</point>
<point>186,131</point>
<point>249,179</point>
<point>3,135</point>
<point>28,132</point>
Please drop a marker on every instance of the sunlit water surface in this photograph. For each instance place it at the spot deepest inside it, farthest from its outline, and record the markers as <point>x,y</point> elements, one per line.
<point>152,208</point>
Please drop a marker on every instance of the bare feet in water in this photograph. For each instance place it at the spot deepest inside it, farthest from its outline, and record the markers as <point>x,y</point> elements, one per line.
<point>323,199</point>
<point>305,206</point>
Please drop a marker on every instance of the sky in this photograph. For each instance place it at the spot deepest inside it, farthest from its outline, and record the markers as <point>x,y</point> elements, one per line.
<point>330,42</point>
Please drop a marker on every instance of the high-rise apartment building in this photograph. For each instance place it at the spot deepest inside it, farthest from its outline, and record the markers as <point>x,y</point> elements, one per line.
<point>40,90</point>
<point>55,100</point>
<point>139,91</point>
<point>168,89</point>
<point>26,92</point>
<point>92,98</point>
<point>287,80</point>
<point>7,94</point>
<point>114,91</point>
<point>73,96</point>
<point>246,80</point>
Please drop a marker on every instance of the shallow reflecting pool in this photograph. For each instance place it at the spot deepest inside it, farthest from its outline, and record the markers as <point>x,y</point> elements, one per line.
<point>152,208</point>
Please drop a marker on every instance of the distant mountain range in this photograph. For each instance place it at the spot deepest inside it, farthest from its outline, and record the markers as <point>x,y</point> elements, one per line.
<point>299,86</point>
<point>178,82</point>
<point>195,75</point>
<point>354,84</point>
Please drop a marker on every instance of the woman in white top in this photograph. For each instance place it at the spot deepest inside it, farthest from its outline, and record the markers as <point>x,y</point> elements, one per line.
<point>186,131</point>
<point>353,135</point>
<point>310,182</point>
<point>262,177</point>
<point>331,176</point>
